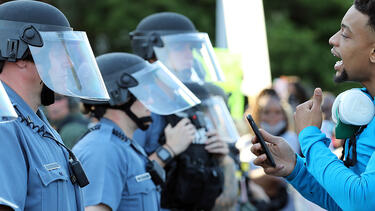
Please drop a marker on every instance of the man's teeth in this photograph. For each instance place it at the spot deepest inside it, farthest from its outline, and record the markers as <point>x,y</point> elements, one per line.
<point>338,63</point>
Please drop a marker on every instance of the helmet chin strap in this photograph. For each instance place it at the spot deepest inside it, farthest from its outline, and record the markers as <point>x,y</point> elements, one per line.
<point>47,96</point>
<point>140,122</point>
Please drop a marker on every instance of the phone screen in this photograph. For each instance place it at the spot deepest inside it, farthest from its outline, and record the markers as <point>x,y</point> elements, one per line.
<point>261,140</point>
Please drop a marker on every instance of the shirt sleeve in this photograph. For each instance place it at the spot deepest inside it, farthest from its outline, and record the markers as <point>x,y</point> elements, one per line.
<point>13,167</point>
<point>105,169</point>
<point>348,189</point>
<point>308,187</point>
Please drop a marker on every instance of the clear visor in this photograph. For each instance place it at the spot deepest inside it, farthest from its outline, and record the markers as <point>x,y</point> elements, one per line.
<point>66,65</point>
<point>190,57</point>
<point>161,92</point>
<point>218,118</point>
<point>7,111</point>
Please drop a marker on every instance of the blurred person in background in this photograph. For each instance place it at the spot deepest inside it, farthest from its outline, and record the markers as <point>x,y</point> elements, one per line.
<point>270,113</point>
<point>321,177</point>
<point>65,116</point>
<point>291,90</point>
<point>328,126</point>
<point>297,93</point>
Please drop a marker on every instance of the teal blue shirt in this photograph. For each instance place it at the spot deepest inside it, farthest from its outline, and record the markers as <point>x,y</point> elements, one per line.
<point>324,179</point>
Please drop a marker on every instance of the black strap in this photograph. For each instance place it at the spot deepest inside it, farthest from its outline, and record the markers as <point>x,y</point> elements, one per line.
<point>43,132</point>
<point>140,122</point>
<point>353,145</point>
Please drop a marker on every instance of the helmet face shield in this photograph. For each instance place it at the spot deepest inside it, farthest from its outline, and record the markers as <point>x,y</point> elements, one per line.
<point>66,65</point>
<point>218,118</point>
<point>190,57</point>
<point>7,111</point>
<point>161,92</point>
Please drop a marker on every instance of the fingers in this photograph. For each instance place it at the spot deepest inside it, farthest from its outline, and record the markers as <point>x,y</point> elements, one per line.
<point>317,99</point>
<point>183,122</point>
<point>261,160</point>
<point>305,106</point>
<point>217,146</point>
<point>211,133</point>
<point>269,138</point>
<point>257,149</point>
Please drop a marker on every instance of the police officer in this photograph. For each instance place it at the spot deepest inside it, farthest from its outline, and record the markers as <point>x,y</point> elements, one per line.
<point>173,40</point>
<point>41,54</point>
<point>120,173</point>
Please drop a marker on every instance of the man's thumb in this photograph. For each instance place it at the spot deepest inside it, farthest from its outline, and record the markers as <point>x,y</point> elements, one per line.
<point>317,99</point>
<point>268,137</point>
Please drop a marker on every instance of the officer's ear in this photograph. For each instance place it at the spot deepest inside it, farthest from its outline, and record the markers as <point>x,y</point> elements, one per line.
<point>372,54</point>
<point>21,64</point>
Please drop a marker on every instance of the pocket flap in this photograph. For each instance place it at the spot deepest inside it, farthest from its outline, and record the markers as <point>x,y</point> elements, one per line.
<point>140,185</point>
<point>48,176</point>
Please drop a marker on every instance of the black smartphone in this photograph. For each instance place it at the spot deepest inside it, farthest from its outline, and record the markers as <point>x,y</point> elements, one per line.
<point>261,140</point>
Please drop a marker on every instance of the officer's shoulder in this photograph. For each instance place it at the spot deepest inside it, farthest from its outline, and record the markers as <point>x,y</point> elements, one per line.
<point>10,127</point>
<point>101,138</point>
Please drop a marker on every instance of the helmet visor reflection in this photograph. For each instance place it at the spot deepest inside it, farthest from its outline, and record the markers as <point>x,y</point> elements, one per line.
<point>161,92</point>
<point>218,118</point>
<point>66,65</point>
<point>190,57</point>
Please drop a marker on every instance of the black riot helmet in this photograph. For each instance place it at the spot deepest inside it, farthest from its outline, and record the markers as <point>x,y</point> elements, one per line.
<point>148,32</point>
<point>39,32</point>
<point>20,23</point>
<point>172,39</point>
<point>129,78</point>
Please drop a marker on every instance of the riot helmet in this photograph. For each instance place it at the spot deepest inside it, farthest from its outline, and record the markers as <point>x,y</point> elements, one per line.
<point>7,111</point>
<point>172,39</point>
<point>128,78</point>
<point>211,114</point>
<point>63,58</point>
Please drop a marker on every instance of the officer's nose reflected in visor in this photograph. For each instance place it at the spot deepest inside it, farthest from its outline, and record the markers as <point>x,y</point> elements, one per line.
<point>161,92</point>
<point>190,57</point>
<point>66,64</point>
<point>218,118</point>
<point>7,111</point>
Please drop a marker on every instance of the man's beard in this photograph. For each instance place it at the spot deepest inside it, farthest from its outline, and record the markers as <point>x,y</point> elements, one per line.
<point>341,78</point>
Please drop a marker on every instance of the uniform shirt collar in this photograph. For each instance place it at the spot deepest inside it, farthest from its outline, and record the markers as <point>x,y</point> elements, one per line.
<point>38,118</point>
<point>111,124</point>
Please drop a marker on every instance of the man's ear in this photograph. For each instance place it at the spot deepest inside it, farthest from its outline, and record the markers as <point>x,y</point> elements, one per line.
<point>21,64</point>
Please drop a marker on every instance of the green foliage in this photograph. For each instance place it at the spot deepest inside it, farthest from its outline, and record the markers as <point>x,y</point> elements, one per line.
<point>108,22</point>
<point>298,33</point>
<point>298,30</point>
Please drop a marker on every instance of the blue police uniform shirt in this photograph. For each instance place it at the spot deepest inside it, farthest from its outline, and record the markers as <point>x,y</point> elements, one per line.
<point>324,179</point>
<point>34,170</point>
<point>149,139</point>
<point>117,173</point>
